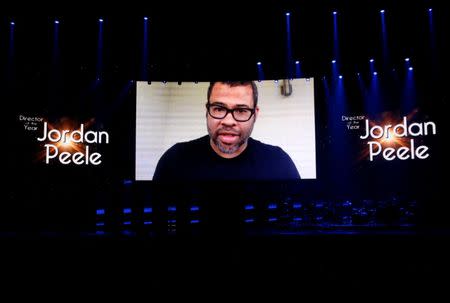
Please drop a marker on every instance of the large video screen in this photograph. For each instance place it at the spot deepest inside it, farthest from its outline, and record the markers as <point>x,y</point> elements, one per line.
<point>177,118</point>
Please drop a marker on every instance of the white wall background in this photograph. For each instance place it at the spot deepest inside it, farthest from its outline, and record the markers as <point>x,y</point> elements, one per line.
<point>170,113</point>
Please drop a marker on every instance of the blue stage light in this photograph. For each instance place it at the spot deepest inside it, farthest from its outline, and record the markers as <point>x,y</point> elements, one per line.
<point>171,208</point>
<point>195,208</point>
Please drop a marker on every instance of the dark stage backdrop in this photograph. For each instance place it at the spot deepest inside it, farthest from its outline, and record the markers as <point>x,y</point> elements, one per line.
<point>379,138</point>
<point>69,154</point>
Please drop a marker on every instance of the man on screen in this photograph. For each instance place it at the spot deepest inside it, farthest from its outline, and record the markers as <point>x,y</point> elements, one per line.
<point>228,152</point>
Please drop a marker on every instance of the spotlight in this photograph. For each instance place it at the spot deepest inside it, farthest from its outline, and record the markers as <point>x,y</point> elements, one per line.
<point>288,14</point>
<point>12,23</point>
<point>258,63</point>
<point>371,60</point>
<point>335,13</point>
<point>56,22</point>
<point>145,18</point>
<point>297,62</point>
<point>375,73</point>
<point>333,61</point>
<point>340,77</point>
<point>100,20</point>
<point>410,68</point>
<point>406,59</point>
<point>382,11</point>
<point>430,10</point>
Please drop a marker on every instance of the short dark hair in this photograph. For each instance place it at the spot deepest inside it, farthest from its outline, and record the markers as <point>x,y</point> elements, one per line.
<point>237,83</point>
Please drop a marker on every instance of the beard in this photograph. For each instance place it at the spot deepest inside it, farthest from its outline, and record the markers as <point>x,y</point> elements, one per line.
<point>228,149</point>
<point>225,148</point>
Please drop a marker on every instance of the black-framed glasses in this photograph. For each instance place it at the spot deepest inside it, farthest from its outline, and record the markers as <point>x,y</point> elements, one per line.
<point>240,114</point>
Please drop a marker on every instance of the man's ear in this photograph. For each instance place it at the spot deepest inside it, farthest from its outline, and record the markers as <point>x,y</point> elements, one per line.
<point>256,112</point>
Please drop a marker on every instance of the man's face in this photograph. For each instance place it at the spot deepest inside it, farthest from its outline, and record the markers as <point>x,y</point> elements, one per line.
<point>228,136</point>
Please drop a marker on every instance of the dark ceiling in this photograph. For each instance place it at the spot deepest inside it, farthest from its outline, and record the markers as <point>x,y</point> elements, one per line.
<point>218,40</point>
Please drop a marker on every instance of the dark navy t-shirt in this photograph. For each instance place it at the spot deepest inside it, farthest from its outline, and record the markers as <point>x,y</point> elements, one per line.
<point>197,161</point>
